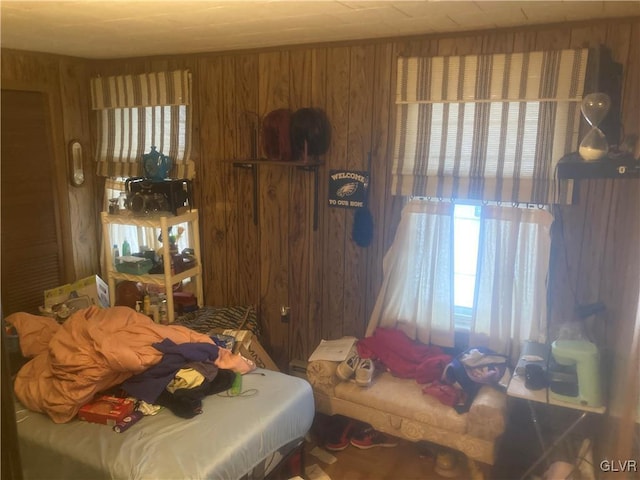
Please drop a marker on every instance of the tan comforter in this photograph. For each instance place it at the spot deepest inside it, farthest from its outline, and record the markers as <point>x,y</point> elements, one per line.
<point>93,350</point>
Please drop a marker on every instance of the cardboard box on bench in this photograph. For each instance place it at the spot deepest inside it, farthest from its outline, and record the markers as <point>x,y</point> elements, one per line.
<point>248,346</point>
<point>93,287</point>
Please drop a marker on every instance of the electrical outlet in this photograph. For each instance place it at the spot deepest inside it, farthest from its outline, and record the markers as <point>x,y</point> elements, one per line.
<point>284,314</point>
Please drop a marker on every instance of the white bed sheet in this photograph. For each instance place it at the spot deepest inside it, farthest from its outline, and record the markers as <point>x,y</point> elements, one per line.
<point>231,437</point>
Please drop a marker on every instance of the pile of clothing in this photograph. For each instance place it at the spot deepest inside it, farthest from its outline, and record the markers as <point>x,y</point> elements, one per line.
<point>185,375</point>
<point>454,381</point>
<point>99,349</point>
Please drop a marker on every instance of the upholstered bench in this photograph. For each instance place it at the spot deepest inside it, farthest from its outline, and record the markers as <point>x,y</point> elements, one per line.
<point>398,407</point>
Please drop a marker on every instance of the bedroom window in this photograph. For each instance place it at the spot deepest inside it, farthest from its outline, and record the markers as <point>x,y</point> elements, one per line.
<point>499,297</point>
<point>466,236</point>
<point>481,135</point>
<point>134,114</point>
<point>497,250</point>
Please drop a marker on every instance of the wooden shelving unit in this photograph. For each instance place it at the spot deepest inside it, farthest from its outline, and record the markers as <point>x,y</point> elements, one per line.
<point>162,221</point>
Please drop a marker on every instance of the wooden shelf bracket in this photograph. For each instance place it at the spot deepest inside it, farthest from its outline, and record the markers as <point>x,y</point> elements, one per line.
<point>304,166</point>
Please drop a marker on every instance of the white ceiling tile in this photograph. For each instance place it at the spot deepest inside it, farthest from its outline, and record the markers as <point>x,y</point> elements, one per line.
<point>110,29</point>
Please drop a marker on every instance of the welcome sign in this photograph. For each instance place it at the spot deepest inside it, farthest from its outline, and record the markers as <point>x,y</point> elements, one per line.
<point>348,188</point>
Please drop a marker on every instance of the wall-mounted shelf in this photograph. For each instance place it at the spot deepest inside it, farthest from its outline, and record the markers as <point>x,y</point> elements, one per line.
<point>308,165</point>
<point>303,164</point>
<point>573,166</point>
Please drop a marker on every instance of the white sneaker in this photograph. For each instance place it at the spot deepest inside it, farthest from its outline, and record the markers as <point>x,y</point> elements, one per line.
<point>346,368</point>
<point>364,372</point>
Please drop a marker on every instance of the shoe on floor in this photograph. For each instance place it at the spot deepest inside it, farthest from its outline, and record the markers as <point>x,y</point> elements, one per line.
<point>342,439</point>
<point>447,465</point>
<point>347,368</point>
<point>364,372</point>
<point>370,438</point>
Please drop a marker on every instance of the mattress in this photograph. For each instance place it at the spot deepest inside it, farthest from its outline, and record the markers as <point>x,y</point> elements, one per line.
<point>233,435</point>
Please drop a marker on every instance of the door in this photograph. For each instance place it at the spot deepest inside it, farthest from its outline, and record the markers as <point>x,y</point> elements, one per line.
<point>31,247</point>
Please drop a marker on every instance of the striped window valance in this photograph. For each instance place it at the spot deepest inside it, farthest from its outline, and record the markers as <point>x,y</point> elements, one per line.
<point>487,127</point>
<point>136,112</point>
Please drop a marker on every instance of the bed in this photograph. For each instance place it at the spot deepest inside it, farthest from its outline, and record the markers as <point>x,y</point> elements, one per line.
<point>234,437</point>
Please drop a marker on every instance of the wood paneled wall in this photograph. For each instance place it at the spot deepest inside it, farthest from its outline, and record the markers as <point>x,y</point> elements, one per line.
<point>64,81</point>
<point>329,283</point>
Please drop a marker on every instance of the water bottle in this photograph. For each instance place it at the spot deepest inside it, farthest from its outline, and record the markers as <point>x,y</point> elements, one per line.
<point>236,387</point>
<point>146,305</point>
<point>126,248</point>
<point>116,254</point>
<point>163,312</point>
<point>122,202</point>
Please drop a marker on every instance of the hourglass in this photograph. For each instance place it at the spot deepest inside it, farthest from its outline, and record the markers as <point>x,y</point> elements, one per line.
<point>594,108</point>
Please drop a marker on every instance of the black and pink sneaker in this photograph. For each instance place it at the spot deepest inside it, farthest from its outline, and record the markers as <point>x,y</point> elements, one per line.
<point>370,438</point>
<point>341,441</point>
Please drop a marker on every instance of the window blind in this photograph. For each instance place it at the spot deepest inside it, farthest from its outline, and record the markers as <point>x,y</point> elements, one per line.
<point>136,112</point>
<point>487,127</point>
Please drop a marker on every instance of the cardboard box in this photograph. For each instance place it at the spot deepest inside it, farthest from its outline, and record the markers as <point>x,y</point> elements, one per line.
<point>92,287</point>
<point>106,410</point>
<point>248,346</point>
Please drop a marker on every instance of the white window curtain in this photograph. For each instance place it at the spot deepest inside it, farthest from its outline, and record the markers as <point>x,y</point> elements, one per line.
<point>417,291</point>
<point>511,282</point>
<point>487,127</point>
<point>136,112</point>
<point>511,292</point>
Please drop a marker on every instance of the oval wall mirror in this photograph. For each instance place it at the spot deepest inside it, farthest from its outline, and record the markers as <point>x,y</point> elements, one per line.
<point>76,163</point>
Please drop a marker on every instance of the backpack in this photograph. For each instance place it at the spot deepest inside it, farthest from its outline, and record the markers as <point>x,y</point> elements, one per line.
<point>473,368</point>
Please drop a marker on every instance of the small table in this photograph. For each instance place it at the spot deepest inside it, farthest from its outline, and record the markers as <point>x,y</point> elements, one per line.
<point>517,389</point>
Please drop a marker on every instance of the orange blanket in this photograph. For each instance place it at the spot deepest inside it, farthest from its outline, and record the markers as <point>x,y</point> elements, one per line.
<point>93,350</point>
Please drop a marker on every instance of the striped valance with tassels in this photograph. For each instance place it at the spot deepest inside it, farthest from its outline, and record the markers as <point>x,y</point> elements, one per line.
<point>136,112</point>
<point>487,127</point>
